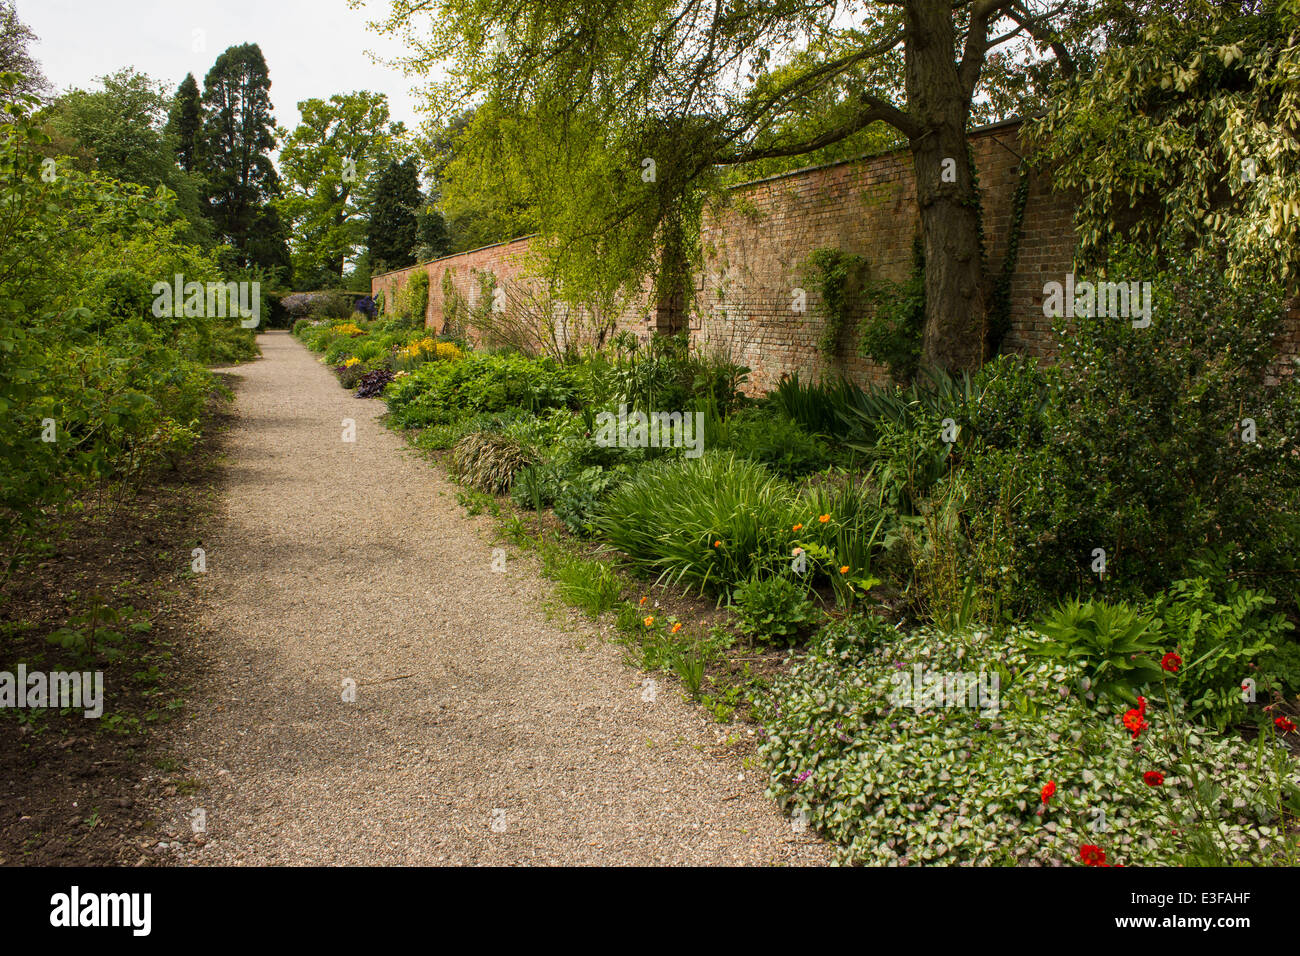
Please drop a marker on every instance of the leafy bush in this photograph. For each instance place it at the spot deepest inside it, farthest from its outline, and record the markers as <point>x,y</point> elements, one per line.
<point>1218,637</point>
<point>891,332</point>
<point>373,383</point>
<point>772,608</point>
<point>1142,450</point>
<point>581,495</point>
<point>1116,647</point>
<point>776,441</point>
<point>439,392</point>
<point>317,305</point>
<point>411,303</point>
<point>891,778</point>
<point>712,521</point>
<point>489,461</point>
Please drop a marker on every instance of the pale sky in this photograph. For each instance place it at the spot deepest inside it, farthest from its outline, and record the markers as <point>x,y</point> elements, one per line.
<point>312,49</point>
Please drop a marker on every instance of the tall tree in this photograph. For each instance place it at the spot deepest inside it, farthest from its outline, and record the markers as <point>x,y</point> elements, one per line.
<point>688,85</point>
<point>330,161</point>
<point>184,123</point>
<point>392,231</point>
<point>15,37</point>
<point>237,137</point>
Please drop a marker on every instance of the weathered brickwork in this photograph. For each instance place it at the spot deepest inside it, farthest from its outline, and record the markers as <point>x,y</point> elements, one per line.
<point>756,244</point>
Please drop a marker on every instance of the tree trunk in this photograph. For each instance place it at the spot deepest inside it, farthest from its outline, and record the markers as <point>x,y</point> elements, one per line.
<point>945,193</point>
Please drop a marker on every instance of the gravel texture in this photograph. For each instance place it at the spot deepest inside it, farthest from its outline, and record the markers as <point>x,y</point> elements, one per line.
<point>484,730</point>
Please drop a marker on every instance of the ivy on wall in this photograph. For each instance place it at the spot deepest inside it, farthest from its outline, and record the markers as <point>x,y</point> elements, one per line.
<point>892,332</point>
<point>834,273</point>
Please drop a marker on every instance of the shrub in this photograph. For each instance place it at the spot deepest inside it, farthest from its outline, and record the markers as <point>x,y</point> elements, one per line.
<point>711,522</point>
<point>489,461</point>
<point>440,392</point>
<point>772,608</point>
<point>373,383</point>
<point>1142,451</point>
<point>411,303</point>
<point>776,441</point>
<point>1218,638</point>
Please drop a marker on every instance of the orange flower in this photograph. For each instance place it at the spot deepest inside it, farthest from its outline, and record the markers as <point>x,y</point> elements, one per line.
<point>824,518</point>
<point>649,622</point>
<point>677,627</point>
<point>717,544</point>
<point>796,527</point>
<point>643,600</point>
<point>844,570</point>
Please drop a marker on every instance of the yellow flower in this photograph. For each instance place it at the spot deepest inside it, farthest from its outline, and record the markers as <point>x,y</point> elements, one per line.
<point>351,362</point>
<point>649,621</point>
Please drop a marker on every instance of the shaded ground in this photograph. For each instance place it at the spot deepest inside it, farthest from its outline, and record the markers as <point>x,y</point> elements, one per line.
<point>75,791</point>
<point>480,732</point>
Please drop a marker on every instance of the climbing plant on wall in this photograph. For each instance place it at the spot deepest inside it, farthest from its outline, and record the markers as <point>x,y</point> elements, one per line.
<point>835,275</point>
<point>892,330</point>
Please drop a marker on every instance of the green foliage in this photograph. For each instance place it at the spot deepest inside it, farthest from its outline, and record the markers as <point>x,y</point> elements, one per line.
<point>836,277</point>
<point>890,779</point>
<point>391,227</point>
<point>591,585</point>
<point>235,142</point>
<point>775,441</point>
<point>1115,646</point>
<point>773,608</point>
<point>489,461</point>
<point>710,522</point>
<point>892,331</point>
<point>1134,443</point>
<point>820,408</point>
<point>411,303</point>
<point>439,392</point>
<point>331,163</point>
<point>96,392</point>
<point>1178,138</point>
<point>1219,636</point>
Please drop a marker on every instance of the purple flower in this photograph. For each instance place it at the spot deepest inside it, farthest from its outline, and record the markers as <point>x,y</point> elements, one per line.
<point>802,777</point>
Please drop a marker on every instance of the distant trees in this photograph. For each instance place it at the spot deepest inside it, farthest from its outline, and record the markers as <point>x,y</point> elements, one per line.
<point>393,229</point>
<point>185,122</point>
<point>331,164</point>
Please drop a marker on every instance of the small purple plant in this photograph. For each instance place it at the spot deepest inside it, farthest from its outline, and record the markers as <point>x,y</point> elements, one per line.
<point>366,306</point>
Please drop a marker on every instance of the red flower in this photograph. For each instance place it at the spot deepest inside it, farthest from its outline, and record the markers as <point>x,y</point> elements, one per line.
<point>1048,790</point>
<point>1092,855</point>
<point>1284,725</point>
<point>1134,722</point>
<point>1171,662</point>
<point>1153,778</point>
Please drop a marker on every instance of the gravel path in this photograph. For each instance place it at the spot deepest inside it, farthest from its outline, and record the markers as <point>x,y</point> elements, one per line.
<point>481,732</point>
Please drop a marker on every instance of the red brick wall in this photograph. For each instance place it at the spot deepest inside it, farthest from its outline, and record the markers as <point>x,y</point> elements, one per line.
<point>756,241</point>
